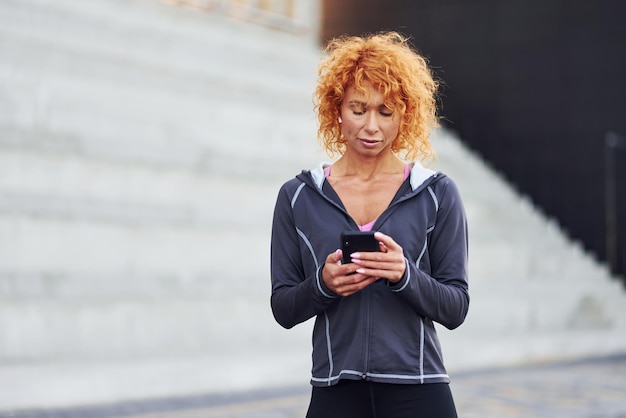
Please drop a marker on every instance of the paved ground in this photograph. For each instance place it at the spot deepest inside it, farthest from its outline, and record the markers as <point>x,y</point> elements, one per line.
<point>591,388</point>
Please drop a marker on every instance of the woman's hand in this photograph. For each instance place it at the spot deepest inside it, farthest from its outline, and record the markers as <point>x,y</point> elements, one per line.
<point>387,264</point>
<point>343,279</point>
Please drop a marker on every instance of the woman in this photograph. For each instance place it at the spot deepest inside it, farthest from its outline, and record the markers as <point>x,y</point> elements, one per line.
<point>375,348</point>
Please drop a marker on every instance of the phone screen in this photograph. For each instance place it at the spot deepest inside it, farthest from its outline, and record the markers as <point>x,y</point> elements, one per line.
<point>355,241</point>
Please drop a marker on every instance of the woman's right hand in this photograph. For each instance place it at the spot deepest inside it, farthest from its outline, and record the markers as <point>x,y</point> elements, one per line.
<point>343,279</point>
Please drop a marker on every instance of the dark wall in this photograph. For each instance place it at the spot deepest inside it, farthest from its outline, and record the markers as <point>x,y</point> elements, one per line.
<point>532,85</point>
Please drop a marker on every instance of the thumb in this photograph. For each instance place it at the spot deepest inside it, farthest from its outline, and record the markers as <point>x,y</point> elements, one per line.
<point>335,257</point>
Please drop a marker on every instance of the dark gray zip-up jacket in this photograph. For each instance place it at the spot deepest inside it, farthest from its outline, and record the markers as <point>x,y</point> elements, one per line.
<point>385,332</point>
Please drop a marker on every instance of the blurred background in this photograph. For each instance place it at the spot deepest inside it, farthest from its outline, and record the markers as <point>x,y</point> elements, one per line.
<point>536,89</point>
<point>143,142</point>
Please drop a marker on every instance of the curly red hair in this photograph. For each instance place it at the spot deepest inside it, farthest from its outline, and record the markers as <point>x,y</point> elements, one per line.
<point>387,62</point>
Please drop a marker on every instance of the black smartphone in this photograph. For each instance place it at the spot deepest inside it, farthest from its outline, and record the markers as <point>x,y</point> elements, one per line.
<point>355,241</point>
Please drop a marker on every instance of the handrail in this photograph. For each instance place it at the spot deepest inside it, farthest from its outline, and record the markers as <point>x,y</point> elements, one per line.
<point>613,144</point>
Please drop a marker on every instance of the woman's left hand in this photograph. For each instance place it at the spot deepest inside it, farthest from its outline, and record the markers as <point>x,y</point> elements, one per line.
<point>387,264</point>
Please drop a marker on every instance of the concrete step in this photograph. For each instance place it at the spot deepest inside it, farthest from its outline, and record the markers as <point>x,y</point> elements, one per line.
<point>535,294</point>
<point>159,79</point>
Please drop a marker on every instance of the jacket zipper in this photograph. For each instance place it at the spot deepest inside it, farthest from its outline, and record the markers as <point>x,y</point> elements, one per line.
<point>368,331</point>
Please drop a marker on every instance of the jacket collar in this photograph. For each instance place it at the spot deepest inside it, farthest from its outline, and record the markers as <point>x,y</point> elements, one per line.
<point>419,174</point>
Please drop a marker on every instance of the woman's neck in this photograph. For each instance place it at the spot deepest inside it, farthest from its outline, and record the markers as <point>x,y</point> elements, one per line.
<point>367,168</point>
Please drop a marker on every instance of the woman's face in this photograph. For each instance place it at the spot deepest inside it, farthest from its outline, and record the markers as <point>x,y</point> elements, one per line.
<point>368,126</point>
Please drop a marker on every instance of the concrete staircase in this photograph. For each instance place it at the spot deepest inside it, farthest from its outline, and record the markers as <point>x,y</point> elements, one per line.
<point>141,149</point>
<point>535,294</point>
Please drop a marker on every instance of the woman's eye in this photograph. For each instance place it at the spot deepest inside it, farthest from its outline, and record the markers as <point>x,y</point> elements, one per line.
<point>358,108</point>
<point>386,114</point>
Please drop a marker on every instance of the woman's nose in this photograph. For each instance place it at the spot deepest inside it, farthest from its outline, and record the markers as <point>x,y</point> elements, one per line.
<point>371,123</point>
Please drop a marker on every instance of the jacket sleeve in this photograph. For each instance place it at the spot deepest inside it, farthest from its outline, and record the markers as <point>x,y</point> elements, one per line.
<point>296,295</point>
<point>443,294</point>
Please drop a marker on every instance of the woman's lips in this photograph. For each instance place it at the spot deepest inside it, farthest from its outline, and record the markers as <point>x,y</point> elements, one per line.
<point>369,142</point>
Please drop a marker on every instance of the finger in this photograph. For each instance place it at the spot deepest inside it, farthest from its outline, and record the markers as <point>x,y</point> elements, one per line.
<point>391,269</point>
<point>387,261</point>
<point>391,275</point>
<point>353,279</point>
<point>351,288</point>
<point>335,257</point>
<point>386,240</point>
